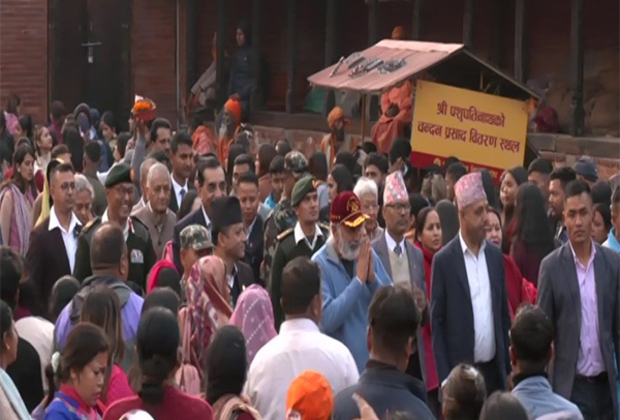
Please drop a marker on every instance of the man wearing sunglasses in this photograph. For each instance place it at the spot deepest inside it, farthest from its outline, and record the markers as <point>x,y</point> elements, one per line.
<point>119,191</point>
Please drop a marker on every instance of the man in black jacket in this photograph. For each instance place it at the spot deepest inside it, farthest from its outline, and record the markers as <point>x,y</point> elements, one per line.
<point>229,238</point>
<point>393,321</point>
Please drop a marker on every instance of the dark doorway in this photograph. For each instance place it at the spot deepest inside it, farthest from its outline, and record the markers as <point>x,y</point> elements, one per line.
<point>90,54</point>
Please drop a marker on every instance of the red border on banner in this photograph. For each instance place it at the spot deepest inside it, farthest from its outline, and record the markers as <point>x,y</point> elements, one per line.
<point>421,160</point>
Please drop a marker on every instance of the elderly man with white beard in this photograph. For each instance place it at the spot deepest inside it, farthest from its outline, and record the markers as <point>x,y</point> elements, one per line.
<point>351,273</point>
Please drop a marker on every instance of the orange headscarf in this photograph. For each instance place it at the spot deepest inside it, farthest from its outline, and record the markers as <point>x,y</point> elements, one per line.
<point>234,107</point>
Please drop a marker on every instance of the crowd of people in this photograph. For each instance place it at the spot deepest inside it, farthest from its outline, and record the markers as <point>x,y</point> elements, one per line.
<point>248,281</point>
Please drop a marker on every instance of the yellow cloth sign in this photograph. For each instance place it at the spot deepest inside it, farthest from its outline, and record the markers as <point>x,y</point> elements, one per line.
<point>479,129</point>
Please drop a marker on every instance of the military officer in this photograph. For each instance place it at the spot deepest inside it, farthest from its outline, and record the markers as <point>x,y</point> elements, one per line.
<point>119,191</point>
<point>283,216</point>
<point>302,240</point>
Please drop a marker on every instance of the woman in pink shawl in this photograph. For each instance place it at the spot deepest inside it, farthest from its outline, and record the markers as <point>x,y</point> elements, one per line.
<point>253,315</point>
<point>208,302</point>
<point>17,197</point>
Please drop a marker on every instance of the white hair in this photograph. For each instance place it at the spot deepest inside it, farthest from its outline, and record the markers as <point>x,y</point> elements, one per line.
<point>146,166</point>
<point>366,186</point>
<point>156,169</point>
<point>83,184</point>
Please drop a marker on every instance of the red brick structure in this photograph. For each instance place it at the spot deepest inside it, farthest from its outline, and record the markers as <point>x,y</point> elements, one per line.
<point>23,54</point>
<point>141,37</point>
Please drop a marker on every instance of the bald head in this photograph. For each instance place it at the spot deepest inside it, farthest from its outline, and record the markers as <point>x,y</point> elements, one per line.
<point>108,250</point>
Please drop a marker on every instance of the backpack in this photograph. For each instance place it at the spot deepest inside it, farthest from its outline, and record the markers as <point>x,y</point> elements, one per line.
<point>188,375</point>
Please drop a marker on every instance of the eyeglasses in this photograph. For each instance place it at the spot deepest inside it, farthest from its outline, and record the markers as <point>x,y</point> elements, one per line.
<point>400,206</point>
<point>123,191</point>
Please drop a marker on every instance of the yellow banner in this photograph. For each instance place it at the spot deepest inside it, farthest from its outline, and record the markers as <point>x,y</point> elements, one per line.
<point>479,129</point>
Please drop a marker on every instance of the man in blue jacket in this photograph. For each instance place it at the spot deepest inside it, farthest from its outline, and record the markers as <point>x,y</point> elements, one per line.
<point>351,273</point>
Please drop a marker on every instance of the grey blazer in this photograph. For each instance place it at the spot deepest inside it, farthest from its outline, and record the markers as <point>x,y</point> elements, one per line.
<point>559,296</point>
<point>418,279</point>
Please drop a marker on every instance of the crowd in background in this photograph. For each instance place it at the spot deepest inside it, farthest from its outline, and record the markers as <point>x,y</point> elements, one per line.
<point>211,276</point>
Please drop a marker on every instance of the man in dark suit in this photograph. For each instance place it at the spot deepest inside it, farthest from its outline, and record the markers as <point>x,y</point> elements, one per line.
<point>469,308</point>
<point>53,243</point>
<point>247,192</point>
<point>229,238</point>
<point>403,262</point>
<point>181,157</point>
<point>578,290</point>
<point>212,184</point>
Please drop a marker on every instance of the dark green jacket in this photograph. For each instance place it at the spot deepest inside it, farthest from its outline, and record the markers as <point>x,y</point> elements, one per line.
<point>140,251</point>
<point>287,250</point>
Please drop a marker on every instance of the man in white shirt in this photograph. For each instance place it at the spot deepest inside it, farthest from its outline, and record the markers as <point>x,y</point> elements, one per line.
<point>53,243</point>
<point>469,308</point>
<point>181,158</point>
<point>300,346</point>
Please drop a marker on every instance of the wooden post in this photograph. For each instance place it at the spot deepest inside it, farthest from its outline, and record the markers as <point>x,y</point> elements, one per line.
<point>330,50</point>
<point>418,6</point>
<point>520,40</point>
<point>576,68</point>
<point>190,42</point>
<point>291,94</point>
<point>468,24</point>
<point>256,100</point>
<point>372,22</point>
<point>222,89</point>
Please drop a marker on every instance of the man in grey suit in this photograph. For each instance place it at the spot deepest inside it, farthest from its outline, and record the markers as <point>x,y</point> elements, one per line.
<point>156,215</point>
<point>403,262</point>
<point>579,291</point>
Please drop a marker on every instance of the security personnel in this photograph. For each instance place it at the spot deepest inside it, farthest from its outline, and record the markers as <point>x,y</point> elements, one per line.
<point>119,191</point>
<point>302,240</point>
<point>283,215</point>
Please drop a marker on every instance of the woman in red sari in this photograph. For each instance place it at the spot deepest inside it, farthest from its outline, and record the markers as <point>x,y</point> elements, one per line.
<point>518,289</point>
<point>428,235</point>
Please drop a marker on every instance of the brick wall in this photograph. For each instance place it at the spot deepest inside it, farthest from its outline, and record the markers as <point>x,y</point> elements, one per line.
<point>23,54</point>
<point>153,53</point>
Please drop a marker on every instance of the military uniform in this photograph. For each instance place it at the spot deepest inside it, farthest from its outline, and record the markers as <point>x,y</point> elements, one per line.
<point>282,218</point>
<point>140,251</point>
<point>291,244</point>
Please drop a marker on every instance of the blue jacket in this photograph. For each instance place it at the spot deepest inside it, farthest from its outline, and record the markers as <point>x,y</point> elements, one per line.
<point>346,301</point>
<point>63,407</point>
<point>611,241</point>
<point>385,389</point>
<point>538,399</point>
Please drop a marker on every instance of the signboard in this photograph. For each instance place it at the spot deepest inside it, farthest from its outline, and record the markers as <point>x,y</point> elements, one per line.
<point>483,131</point>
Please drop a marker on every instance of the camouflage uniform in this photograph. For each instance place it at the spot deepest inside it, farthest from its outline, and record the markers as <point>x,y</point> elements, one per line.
<point>283,216</point>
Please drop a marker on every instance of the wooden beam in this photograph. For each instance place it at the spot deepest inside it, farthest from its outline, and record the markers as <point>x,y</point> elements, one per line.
<point>468,23</point>
<point>291,94</point>
<point>256,99</point>
<point>330,49</point>
<point>222,89</point>
<point>373,36</point>
<point>190,42</point>
<point>418,6</point>
<point>576,68</point>
<point>520,61</point>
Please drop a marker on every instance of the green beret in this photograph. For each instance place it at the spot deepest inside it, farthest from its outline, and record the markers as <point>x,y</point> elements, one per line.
<point>302,187</point>
<point>119,174</point>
